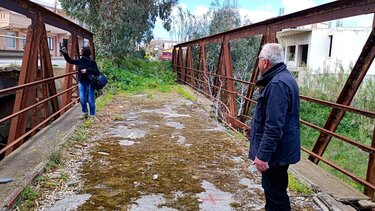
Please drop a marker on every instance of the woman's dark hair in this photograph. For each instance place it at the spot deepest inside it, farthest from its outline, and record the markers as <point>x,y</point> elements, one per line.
<point>86,51</point>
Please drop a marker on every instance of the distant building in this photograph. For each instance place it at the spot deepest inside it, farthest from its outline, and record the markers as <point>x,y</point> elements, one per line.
<point>160,45</point>
<point>13,29</point>
<point>321,47</point>
<point>156,48</point>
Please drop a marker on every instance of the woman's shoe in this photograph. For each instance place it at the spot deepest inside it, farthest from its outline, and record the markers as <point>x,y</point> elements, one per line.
<point>84,116</point>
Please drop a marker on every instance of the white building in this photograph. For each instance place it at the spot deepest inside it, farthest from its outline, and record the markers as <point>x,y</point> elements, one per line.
<point>321,47</point>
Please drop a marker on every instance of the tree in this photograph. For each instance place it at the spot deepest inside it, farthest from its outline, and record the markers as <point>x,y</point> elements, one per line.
<point>220,18</point>
<point>119,25</point>
<point>225,17</point>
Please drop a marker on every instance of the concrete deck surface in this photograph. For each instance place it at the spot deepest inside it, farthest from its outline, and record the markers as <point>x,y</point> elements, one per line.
<point>29,160</point>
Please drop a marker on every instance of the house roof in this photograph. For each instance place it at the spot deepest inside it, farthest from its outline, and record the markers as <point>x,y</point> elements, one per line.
<point>287,32</point>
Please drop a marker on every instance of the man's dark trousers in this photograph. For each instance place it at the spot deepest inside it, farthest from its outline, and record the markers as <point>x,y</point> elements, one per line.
<point>275,184</point>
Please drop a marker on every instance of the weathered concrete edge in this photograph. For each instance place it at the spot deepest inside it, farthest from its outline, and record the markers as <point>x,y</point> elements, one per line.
<point>39,169</point>
<point>321,196</point>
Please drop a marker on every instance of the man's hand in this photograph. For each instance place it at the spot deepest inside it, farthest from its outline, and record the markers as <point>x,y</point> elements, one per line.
<point>83,70</point>
<point>261,165</point>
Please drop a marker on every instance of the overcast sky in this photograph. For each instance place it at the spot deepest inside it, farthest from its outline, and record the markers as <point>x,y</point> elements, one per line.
<point>255,10</point>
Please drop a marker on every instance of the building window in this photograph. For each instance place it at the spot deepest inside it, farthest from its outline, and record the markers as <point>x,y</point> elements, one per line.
<point>23,41</point>
<point>291,53</point>
<point>11,40</point>
<point>50,43</point>
<point>330,45</point>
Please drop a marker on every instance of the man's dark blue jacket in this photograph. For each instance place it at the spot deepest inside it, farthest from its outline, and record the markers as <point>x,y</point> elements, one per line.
<point>275,133</point>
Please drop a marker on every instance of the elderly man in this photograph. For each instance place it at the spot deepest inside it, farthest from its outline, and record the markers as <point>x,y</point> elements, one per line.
<point>275,133</point>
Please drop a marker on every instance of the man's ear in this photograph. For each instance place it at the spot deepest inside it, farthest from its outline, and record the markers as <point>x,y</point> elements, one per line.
<point>266,64</point>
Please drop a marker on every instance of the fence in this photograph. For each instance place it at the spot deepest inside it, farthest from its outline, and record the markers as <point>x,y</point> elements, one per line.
<point>218,82</point>
<point>36,102</point>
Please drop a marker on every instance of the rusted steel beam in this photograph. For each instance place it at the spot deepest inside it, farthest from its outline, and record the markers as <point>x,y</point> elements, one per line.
<point>226,77</point>
<point>326,12</point>
<point>342,170</point>
<point>362,112</point>
<point>219,72</point>
<point>28,69</point>
<point>255,30</point>
<point>370,176</point>
<point>347,94</point>
<point>270,35</point>
<point>360,146</point>
<point>189,64</point>
<point>47,72</point>
<point>203,67</point>
<point>174,58</point>
<point>68,81</point>
<point>30,10</point>
<point>322,13</point>
<point>180,59</point>
<point>253,80</point>
<point>229,73</point>
<point>35,105</point>
<point>92,48</point>
<point>24,135</point>
<point>15,88</point>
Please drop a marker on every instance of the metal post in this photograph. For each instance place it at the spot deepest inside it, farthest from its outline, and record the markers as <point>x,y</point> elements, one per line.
<point>28,69</point>
<point>371,170</point>
<point>229,83</point>
<point>68,81</point>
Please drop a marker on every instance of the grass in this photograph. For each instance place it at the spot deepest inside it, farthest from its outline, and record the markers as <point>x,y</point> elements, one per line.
<point>179,89</point>
<point>103,100</point>
<point>54,159</point>
<point>353,126</point>
<point>136,75</point>
<point>28,197</point>
<point>299,187</point>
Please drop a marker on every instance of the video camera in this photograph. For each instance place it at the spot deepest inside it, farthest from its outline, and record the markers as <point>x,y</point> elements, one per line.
<point>63,50</point>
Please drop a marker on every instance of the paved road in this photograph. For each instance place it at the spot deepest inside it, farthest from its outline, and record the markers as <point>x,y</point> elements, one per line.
<point>59,61</point>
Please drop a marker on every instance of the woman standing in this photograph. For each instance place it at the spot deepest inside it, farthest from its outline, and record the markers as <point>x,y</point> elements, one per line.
<point>86,67</point>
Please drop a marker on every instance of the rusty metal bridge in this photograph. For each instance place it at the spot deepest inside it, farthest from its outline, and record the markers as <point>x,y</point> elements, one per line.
<point>38,102</point>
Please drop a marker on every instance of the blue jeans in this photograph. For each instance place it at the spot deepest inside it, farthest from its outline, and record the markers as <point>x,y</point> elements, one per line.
<point>86,94</point>
<point>275,184</point>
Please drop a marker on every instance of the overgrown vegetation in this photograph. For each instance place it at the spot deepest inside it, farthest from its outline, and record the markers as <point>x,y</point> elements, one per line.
<point>185,94</point>
<point>28,197</point>
<point>136,75</point>
<point>298,187</point>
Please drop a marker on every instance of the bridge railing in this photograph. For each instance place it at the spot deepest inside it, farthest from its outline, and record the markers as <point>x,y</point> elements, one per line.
<point>218,82</point>
<point>37,101</point>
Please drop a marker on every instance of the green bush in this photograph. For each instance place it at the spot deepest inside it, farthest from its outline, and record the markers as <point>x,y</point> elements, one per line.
<point>137,75</point>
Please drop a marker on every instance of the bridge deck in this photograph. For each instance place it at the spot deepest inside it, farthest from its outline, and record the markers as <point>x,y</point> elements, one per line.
<point>165,139</point>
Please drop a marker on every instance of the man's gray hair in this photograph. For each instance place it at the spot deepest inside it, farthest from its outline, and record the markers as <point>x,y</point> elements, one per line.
<point>273,52</point>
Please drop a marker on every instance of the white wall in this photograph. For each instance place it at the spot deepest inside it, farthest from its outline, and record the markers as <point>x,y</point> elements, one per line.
<point>319,49</point>
<point>346,46</point>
